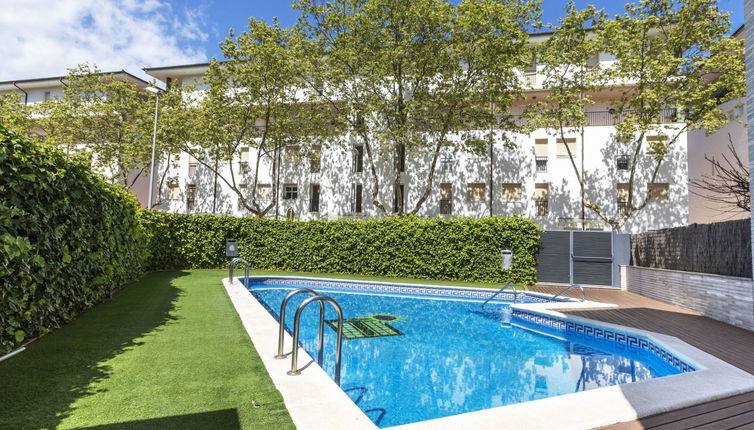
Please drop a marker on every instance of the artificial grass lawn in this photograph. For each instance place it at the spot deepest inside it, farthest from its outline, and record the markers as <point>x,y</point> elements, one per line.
<point>166,352</point>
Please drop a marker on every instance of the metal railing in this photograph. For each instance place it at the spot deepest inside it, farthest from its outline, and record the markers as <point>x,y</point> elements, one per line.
<point>297,324</point>
<point>446,207</point>
<point>541,164</point>
<point>515,294</point>
<point>232,267</point>
<point>567,289</point>
<point>542,206</point>
<point>622,162</point>
<point>611,117</point>
<point>623,207</point>
<point>281,328</point>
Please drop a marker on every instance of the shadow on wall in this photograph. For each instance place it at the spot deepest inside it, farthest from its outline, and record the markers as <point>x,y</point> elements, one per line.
<point>45,396</point>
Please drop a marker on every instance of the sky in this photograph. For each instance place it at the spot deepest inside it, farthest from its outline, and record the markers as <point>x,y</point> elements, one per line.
<point>42,38</point>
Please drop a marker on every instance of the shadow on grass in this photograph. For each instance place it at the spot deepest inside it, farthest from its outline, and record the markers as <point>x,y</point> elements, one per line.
<point>222,419</point>
<point>39,386</point>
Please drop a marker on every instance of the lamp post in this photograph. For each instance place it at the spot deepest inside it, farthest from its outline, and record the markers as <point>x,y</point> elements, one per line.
<point>156,92</point>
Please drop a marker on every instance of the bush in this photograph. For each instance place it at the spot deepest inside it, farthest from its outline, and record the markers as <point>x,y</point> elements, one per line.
<point>67,239</point>
<point>432,248</point>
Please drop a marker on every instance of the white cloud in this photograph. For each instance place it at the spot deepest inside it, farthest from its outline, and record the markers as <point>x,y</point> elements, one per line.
<point>40,38</point>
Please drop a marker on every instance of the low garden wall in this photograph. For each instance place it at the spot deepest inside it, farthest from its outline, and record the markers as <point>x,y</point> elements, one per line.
<point>67,239</point>
<point>724,298</point>
<point>433,248</point>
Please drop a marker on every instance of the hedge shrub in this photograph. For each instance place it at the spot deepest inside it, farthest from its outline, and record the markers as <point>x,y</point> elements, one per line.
<point>432,248</point>
<point>67,239</point>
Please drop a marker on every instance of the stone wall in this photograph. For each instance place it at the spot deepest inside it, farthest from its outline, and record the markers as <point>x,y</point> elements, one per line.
<point>724,298</point>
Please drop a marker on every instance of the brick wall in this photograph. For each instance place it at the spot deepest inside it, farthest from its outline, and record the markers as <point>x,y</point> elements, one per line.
<point>724,298</point>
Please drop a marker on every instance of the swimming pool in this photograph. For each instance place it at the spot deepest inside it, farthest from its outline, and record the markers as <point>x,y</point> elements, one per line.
<point>421,353</point>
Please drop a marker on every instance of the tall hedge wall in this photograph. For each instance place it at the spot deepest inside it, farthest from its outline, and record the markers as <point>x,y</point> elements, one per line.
<point>67,239</point>
<point>453,249</point>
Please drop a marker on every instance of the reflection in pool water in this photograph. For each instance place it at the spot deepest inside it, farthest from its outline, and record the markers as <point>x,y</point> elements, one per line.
<point>455,357</point>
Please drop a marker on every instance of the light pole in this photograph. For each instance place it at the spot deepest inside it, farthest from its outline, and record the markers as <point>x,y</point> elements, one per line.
<point>156,92</point>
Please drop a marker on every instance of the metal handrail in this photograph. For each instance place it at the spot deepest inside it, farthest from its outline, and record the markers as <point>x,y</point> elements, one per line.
<point>296,323</point>
<point>281,328</point>
<point>233,263</point>
<point>565,290</point>
<point>515,294</point>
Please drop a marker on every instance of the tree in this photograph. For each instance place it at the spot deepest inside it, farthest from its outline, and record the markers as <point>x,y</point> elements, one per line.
<point>728,184</point>
<point>16,115</point>
<point>249,100</point>
<point>414,76</point>
<point>104,116</point>
<point>673,59</point>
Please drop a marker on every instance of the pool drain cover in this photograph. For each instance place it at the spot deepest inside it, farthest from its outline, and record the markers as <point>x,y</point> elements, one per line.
<point>360,328</point>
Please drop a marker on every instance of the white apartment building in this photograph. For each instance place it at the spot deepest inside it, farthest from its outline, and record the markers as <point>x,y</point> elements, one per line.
<point>534,179</point>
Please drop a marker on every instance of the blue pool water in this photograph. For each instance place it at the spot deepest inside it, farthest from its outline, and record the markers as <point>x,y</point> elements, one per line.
<point>455,356</point>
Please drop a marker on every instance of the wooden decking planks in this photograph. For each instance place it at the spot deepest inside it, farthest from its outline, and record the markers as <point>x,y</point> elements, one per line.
<point>732,344</point>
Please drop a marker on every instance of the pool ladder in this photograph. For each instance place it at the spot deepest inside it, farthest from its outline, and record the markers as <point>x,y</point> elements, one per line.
<point>233,263</point>
<point>567,289</point>
<point>515,294</point>
<point>296,326</point>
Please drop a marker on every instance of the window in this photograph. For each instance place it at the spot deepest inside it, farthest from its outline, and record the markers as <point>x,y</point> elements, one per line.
<point>193,163</point>
<point>190,197</point>
<point>315,160</point>
<point>530,73</point>
<point>358,159</point>
<point>290,192</point>
<point>173,190</point>
<point>290,214</point>
<point>511,193</point>
<point>357,199</point>
<point>565,145</point>
<point>540,152</point>
<point>244,165</point>
<point>314,198</point>
<point>292,153</point>
<point>47,96</point>
<point>593,60</point>
<point>622,199</point>
<point>446,199</point>
<point>659,192</point>
<point>446,163</point>
<point>264,192</point>
<point>243,188</point>
<point>402,158</point>
<point>402,189</point>
<point>622,162</point>
<point>542,199</point>
<point>476,192</point>
<point>657,145</point>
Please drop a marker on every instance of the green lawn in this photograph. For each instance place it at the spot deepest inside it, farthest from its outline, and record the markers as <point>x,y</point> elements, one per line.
<point>166,352</point>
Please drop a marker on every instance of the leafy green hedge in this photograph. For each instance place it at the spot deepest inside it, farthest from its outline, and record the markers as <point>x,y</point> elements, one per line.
<point>453,249</point>
<point>67,239</point>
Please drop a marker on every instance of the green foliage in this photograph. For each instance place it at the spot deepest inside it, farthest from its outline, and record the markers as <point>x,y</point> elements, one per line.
<point>67,239</point>
<point>433,248</point>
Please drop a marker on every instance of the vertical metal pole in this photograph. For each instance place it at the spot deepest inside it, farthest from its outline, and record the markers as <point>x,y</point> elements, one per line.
<point>749,45</point>
<point>154,146</point>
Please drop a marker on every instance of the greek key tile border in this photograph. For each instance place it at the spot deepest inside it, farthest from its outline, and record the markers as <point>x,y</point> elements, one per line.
<point>400,289</point>
<point>605,334</point>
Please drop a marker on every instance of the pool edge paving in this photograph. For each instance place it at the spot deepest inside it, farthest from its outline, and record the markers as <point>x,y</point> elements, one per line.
<point>314,400</point>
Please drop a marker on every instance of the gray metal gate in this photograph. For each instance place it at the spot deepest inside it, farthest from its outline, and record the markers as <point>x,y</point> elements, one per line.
<point>582,257</point>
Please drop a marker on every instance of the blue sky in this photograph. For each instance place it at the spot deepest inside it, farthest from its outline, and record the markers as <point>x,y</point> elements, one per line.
<point>222,15</point>
<point>42,38</point>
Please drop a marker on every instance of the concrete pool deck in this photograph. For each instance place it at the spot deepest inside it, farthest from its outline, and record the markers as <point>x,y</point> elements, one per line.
<point>312,398</point>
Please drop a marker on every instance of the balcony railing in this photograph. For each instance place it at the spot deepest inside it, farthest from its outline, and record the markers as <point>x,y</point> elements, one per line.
<point>446,207</point>
<point>606,118</point>
<point>542,206</point>
<point>622,162</point>
<point>623,207</point>
<point>541,164</point>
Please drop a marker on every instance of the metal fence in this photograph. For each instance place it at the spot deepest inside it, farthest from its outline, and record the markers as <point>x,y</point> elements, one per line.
<point>722,248</point>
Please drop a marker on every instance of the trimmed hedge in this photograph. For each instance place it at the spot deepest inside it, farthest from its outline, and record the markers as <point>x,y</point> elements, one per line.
<point>67,239</point>
<point>432,248</point>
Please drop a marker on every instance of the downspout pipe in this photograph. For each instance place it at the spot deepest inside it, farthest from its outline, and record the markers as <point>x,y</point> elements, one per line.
<point>26,95</point>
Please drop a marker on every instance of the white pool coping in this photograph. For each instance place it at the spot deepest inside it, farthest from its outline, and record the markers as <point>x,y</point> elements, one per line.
<point>314,401</point>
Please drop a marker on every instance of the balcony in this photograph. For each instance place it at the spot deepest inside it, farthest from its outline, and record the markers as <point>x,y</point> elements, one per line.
<point>446,207</point>
<point>541,164</point>
<point>542,207</point>
<point>608,118</point>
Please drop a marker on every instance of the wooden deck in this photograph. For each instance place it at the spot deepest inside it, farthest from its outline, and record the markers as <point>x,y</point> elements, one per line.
<point>729,343</point>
